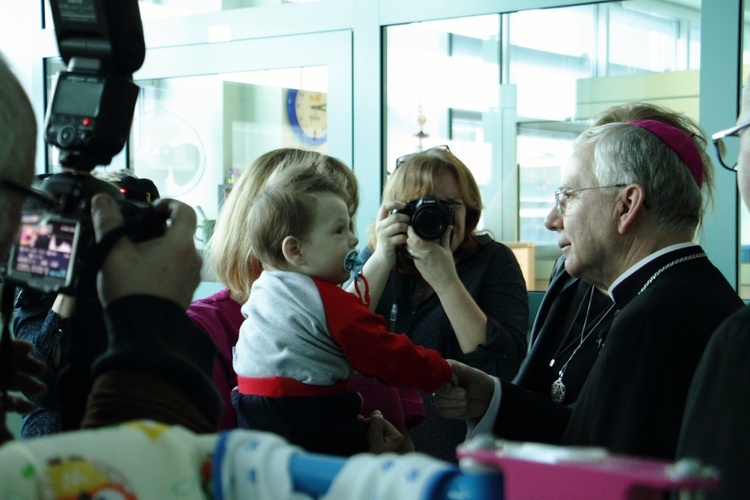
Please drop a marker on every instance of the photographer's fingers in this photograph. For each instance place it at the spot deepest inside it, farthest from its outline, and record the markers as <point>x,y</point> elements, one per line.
<point>388,207</point>
<point>111,282</point>
<point>179,249</point>
<point>23,359</point>
<point>167,266</point>
<point>445,239</point>
<point>105,214</point>
<point>183,217</point>
<point>19,404</point>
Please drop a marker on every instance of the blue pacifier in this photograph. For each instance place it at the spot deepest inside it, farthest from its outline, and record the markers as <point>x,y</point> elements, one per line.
<point>353,263</point>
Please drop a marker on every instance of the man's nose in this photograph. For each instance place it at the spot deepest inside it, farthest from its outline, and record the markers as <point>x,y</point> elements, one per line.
<point>554,219</point>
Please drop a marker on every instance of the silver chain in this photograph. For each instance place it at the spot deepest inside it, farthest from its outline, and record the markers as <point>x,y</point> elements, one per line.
<point>674,262</point>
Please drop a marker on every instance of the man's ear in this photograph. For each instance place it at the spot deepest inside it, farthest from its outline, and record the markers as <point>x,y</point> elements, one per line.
<point>631,203</point>
<point>291,247</point>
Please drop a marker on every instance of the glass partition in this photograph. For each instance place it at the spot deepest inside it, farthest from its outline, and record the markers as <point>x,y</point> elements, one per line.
<point>161,9</point>
<point>744,215</point>
<point>193,135</point>
<point>196,126</point>
<point>509,93</point>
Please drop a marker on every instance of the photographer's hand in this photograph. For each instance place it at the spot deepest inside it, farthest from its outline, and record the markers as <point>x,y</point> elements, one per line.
<point>25,378</point>
<point>167,266</point>
<point>434,261</point>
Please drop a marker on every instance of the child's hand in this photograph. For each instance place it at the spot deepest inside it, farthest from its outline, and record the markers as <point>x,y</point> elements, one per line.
<point>469,397</point>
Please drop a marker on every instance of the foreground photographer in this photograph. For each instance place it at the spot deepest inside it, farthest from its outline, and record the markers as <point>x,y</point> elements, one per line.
<point>17,147</point>
<point>144,288</point>
<point>54,323</point>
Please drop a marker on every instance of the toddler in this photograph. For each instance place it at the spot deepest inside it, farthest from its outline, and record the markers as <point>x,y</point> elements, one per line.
<point>304,336</point>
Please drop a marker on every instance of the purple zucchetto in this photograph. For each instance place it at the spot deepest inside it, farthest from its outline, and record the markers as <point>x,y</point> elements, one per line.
<point>679,142</point>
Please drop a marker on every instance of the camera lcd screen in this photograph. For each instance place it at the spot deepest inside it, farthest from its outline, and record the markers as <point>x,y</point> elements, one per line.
<point>77,11</point>
<point>78,97</point>
<point>43,253</point>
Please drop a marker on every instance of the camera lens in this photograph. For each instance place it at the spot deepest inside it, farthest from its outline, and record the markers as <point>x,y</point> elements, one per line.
<point>429,222</point>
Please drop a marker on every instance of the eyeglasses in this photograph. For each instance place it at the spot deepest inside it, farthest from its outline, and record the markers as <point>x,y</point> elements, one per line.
<point>30,194</point>
<point>563,195</point>
<point>402,159</point>
<point>720,143</point>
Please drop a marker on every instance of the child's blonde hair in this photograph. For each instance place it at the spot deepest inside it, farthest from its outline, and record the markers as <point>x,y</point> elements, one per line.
<point>229,252</point>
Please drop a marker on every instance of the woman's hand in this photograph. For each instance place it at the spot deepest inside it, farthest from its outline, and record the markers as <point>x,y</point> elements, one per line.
<point>390,231</point>
<point>385,438</point>
<point>434,259</point>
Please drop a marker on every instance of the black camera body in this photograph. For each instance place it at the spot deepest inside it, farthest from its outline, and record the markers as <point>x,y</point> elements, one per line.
<point>88,120</point>
<point>429,216</point>
<point>55,241</point>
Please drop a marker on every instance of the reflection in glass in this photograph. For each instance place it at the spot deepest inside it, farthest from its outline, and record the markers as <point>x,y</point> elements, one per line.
<point>543,151</point>
<point>193,135</point>
<point>744,216</point>
<point>549,51</point>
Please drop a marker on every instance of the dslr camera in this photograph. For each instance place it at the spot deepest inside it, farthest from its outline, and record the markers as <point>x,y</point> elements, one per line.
<point>88,120</point>
<point>430,217</point>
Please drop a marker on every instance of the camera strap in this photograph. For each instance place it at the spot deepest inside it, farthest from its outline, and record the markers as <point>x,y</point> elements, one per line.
<point>92,266</point>
<point>75,380</point>
<point>6,347</point>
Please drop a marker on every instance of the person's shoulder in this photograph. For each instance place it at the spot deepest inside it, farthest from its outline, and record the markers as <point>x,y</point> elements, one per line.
<point>488,242</point>
<point>730,343</point>
<point>330,288</point>
<point>736,326</point>
<point>218,301</point>
<point>488,246</point>
<point>215,298</point>
<point>485,238</point>
<point>288,284</point>
<point>216,306</point>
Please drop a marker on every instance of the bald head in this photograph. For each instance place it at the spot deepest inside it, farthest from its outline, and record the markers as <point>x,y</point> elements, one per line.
<point>17,150</point>
<point>17,129</point>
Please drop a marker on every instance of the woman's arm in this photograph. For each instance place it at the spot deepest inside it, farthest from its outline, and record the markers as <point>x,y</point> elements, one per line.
<point>491,281</point>
<point>434,261</point>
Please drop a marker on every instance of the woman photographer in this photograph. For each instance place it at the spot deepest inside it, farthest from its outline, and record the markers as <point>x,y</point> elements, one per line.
<point>462,294</point>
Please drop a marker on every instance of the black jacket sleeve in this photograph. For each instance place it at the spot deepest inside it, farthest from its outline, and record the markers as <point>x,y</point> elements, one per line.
<point>154,337</point>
